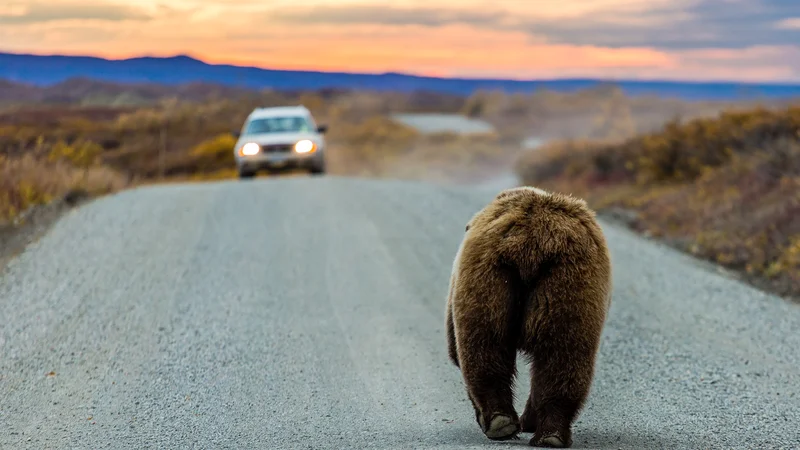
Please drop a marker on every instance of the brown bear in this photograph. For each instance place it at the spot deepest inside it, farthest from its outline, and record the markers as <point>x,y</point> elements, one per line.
<point>532,274</point>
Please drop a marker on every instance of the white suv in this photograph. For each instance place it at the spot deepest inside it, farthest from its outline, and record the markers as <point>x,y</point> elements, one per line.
<point>280,138</point>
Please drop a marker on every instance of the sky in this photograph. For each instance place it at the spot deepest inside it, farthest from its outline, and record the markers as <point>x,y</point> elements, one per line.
<point>744,40</point>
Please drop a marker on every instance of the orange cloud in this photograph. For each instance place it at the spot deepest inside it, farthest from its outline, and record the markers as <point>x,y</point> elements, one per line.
<point>418,49</point>
<point>507,41</point>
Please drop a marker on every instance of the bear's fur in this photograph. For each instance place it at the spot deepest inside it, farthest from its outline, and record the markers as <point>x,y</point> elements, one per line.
<point>532,273</point>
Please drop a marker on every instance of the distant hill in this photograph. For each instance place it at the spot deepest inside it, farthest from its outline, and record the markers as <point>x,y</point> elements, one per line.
<point>46,70</point>
<point>87,91</point>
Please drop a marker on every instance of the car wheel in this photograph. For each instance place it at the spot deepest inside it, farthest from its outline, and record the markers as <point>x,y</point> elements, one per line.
<point>317,169</point>
<point>243,174</point>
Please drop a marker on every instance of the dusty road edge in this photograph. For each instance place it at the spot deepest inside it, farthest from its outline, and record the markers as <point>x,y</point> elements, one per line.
<point>626,218</point>
<point>34,223</point>
<point>37,221</point>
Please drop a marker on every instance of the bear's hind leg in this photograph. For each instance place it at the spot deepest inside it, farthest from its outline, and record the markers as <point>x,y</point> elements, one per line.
<point>489,376</point>
<point>561,337</point>
<point>562,372</point>
<point>553,410</point>
<point>487,352</point>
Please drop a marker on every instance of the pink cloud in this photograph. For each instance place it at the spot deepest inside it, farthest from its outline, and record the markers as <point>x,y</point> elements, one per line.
<point>451,44</point>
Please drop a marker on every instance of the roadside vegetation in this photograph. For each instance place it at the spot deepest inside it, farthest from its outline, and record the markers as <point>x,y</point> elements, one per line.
<point>724,188</point>
<point>99,137</point>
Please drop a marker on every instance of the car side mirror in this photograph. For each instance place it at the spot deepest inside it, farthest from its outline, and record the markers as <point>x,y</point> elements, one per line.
<point>322,129</point>
<point>236,134</point>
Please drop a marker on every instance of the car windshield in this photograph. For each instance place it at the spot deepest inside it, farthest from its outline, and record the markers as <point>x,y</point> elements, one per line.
<point>291,124</point>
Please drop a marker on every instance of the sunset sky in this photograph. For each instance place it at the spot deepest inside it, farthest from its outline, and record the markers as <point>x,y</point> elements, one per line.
<point>686,39</point>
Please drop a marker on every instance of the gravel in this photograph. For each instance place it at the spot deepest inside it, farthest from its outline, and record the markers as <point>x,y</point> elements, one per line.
<point>309,313</point>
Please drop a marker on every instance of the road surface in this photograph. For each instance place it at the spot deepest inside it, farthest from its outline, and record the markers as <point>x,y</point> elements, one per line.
<point>309,313</point>
<point>444,123</point>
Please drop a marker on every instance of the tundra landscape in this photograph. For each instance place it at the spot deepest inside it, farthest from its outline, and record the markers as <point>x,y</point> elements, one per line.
<point>676,169</point>
<point>157,290</point>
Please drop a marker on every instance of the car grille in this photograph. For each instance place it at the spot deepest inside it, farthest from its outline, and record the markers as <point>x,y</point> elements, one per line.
<point>277,148</point>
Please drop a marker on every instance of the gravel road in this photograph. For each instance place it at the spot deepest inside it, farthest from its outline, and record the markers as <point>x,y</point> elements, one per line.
<point>309,313</point>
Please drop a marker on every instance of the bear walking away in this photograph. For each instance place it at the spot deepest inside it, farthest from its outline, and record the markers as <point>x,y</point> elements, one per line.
<point>532,274</point>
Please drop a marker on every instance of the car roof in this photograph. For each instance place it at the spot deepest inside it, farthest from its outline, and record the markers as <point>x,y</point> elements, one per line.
<point>280,111</point>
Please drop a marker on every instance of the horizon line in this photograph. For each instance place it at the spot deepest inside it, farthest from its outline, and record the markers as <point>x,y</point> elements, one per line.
<point>609,80</point>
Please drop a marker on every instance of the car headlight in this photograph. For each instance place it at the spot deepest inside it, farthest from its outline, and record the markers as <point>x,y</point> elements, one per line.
<point>250,149</point>
<point>304,146</point>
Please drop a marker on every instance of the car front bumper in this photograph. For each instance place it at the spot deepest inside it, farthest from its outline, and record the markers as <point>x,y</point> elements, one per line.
<point>276,161</point>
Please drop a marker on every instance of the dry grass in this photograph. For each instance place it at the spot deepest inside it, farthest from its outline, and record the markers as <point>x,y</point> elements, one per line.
<point>166,140</point>
<point>726,189</point>
<point>27,181</point>
<point>46,151</point>
<point>603,112</point>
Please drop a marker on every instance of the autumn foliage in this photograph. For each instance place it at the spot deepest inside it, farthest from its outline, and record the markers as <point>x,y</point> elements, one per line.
<point>47,149</point>
<point>720,180</point>
<point>27,181</point>
<point>725,188</point>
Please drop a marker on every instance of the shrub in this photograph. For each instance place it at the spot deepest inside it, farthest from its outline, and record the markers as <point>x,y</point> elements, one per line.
<point>216,152</point>
<point>28,181</point>
<point>677,153</point>
<point>728,187</point>
<point>82,154</point>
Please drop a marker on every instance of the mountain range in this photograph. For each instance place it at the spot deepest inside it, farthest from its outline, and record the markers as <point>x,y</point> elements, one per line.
<point>47,70</point>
